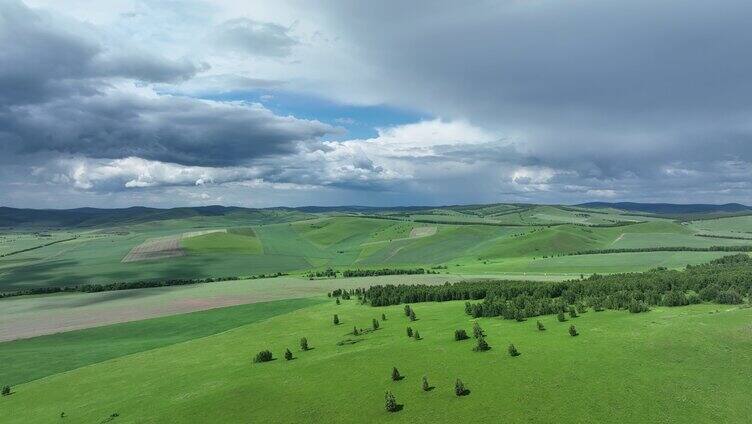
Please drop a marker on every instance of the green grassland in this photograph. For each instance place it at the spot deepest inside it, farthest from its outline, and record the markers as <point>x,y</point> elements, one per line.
<point>495,239</point>
<point>686,364</point>
<point>34,358</point>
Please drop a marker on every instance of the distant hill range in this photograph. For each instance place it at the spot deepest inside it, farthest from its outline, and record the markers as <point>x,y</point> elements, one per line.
<point>670,208</point>
<point>93,217</point>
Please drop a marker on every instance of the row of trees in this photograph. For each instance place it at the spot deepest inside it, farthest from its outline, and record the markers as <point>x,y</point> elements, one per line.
<point>664,249</point>
<point>725,280</point>
<point>390,401</point>
<point>129,285</point>
<point>267,356</point>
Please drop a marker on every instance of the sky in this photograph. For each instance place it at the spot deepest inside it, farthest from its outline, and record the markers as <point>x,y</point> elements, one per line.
<point>290,103</point>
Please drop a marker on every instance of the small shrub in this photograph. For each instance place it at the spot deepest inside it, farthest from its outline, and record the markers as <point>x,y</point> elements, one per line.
<point>573,331</point>
<point>409,331</point>
<point>560,316</point>
<point>390,402</point>
<point>304,344</point>
<point>459,388</point>
<point>540,326</point>
<point>482,345</point>
<point>336,319</point>
<point>288,355</point>
<point>263,356</point>
<point>396,375</point>
<point>424,385</point>
<point>460,335</point>
<point>513,351</point>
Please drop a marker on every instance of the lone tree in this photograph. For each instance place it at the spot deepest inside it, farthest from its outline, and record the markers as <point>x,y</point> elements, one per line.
<point>573,331</point>
<point>304,344</point>
<point>336,319</point>
<point>288,354</point>
<point>409,331</point>
<point>412,315</point>
<point>513,351</point>
<point>482,345</point>
<point>459,388</point>
<point>337,301</point>
<point>460,335</point>
<point>416,335</point>
<point>5,391</point>
<point>263,356</point>
<point>355,331</point>
<point>540,326</point>
<point>560,316</point>
<point>407,310</point>
<point>477,331</point>
<point>375,324</point>
<point>383,317</point>
<point>424,385</point>
<point>395,374</point>
<point>390,402</point>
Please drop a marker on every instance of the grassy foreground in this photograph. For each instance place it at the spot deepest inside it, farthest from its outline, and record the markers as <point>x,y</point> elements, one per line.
<point>29,359</point>
<point>687,364</point>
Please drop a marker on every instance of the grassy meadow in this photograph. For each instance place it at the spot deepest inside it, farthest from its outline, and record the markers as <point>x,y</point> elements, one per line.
<point>650,367</point>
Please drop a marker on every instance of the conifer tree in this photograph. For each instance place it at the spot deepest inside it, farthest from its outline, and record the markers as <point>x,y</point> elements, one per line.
<point>412,315</point>
<point>425,386</point>
<point>288,354</point>
<point>396,375</point>
<point>482,345</point>
<point>304,344</point>
<point>513,351</point>
<point>573,331</point>
<point>337,301</point>
<point>390,402</point>
<point>383,317</point>
<point>5,391</point>
<point>477,331</point>
<point>355,331</point>
<point>540,326</point>
<point>560,316</point>
<point>409,331</point>
<point>407,310</point>
<point>375,324</point>
<point>336,319</point>
<point>459,388</point>
<point>416,335</point>
<point>572,312</point>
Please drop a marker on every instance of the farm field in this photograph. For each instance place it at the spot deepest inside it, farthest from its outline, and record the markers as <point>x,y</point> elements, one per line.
<point>462,240</point>
<point>654,366</point>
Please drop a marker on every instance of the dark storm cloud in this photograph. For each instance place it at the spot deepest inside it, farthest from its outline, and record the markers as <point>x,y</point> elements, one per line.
<point>60,92</point>
<point>605,87</point>
<point>44,57</point>
<point>254,38</point>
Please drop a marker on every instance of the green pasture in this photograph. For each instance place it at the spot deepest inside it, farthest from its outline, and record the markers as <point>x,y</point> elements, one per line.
<point>687,364</point>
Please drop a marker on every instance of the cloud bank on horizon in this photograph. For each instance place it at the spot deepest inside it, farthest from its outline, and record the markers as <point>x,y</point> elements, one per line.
<point>261,103</point>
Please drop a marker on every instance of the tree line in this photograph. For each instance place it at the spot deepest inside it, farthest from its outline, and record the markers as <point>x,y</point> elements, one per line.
<point>128,285</point>
<point>725,280</point>
<point>745,248</point>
